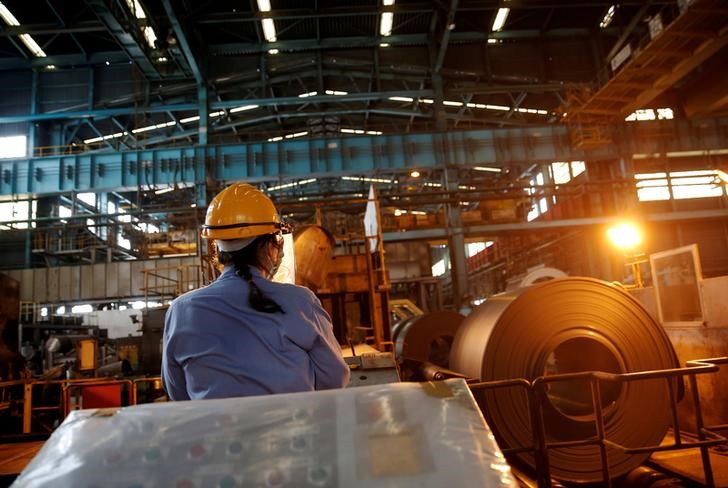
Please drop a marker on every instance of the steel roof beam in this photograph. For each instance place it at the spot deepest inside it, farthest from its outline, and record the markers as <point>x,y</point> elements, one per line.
<point>49,29</point>
<point>130,42</point>
<point>359,42</point>
<point>184,43</point>
<point>447,30</point>
<point>225,104</point>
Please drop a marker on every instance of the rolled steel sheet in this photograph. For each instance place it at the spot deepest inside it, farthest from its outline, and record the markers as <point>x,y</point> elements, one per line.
<point>560,326</point>
<point>313,247</point>
<point>428,337</point>
<point>534,276</point>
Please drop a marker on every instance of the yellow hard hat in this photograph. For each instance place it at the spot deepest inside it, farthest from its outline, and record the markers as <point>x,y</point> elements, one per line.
<point>241,211</point>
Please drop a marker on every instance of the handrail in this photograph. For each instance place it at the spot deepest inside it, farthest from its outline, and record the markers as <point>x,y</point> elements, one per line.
<point>707,435</point>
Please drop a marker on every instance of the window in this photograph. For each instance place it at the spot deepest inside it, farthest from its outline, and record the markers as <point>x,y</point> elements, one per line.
<point>17,211</point>
<point>681,185</point>
<point>438,269</point>
<point>577,168</point>
<point>124,243</point>
<point>533,213</point>
<point>82,308</point>
<point>560,173</point>
<point>543,206</point>
<point>13,147</point>
<point>473,248</point>
<point>88,198</point>
<point>650,114</point>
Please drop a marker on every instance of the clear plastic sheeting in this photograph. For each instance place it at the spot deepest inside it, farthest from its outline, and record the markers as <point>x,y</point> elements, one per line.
<point>399,435</point>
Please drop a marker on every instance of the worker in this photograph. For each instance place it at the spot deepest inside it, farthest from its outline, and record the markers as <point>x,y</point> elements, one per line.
<point>244,334</point>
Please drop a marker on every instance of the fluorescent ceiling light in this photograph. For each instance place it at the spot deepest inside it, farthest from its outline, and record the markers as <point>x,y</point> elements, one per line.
<point>498,107</point>
<point>269,30</point>
<point>402,99</point>
<point>273,51</point>
<point>8,16</point>
<point>264,5</point>
<point>488,169</point>
<point>288,136</point>
<point>493,41</point>
<point>187,120</point>
<point>29,42</point>
<point>368,180</point>
<point>385,25</point>
<point>32,45</point>
<point>500,19</point>
<point>451,103</point>
<point>164,190</point>
<point>384,44</point>
<point>309,94</point>
<point>336,92</point>
<point>361,131</point>
<point>607,19</point>
<point>243,108</point>
<point>387,3</point>
<point>291,185</point>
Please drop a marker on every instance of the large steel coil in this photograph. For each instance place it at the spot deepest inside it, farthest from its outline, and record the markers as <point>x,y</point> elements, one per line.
<point>561,326</point>
<point>427,338</point>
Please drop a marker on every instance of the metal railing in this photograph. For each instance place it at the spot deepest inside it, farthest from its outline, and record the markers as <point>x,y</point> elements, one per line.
<point>21,394</point>
<point>536,389</point>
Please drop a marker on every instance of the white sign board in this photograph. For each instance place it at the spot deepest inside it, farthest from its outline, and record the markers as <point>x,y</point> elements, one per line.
<point>621,57</point>
<point>371,224</point>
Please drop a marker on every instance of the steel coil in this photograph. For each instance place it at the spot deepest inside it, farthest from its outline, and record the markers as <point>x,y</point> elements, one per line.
<point>427,338</point>
<point>561,326</point>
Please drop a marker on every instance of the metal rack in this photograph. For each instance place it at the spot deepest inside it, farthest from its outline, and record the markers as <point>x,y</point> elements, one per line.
<point>707,435</point>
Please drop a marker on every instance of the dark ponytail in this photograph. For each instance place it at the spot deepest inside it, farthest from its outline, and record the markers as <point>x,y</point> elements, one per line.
<point>242,260</point>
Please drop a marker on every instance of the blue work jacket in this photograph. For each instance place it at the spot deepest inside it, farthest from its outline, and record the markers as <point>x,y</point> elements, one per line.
<point>216,345</point>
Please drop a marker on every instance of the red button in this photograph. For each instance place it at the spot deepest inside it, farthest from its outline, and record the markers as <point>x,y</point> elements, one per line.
<point>197,451</point>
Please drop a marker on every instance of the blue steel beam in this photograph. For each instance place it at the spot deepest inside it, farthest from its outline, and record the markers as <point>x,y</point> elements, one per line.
<point>338,156</point>
<point>217,105</point>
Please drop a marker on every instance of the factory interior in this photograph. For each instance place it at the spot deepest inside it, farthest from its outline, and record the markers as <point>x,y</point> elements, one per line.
<point>515,213</point>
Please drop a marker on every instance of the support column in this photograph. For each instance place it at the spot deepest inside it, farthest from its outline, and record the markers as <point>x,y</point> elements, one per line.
<point>29,236</point>
<point>33,108</point>
<point>203,110</point>
<point>455,241</point>
<point>437,107</point>
<point>30,150</point>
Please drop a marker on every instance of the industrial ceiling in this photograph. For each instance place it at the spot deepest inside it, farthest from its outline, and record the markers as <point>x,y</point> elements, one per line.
<point>322,68</point>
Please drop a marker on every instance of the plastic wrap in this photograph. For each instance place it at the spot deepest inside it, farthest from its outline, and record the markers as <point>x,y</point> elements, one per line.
<point>403,435</point>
